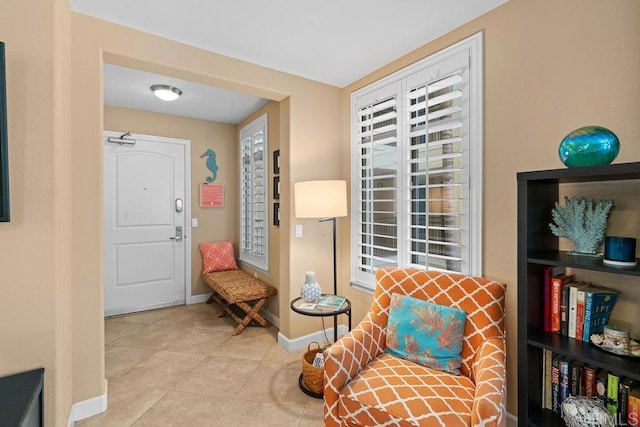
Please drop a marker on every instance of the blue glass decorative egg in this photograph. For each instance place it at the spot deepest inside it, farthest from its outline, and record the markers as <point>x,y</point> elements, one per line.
<point>589,146</point>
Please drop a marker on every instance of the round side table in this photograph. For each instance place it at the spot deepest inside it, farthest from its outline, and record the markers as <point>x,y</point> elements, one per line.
<point>298,305</point>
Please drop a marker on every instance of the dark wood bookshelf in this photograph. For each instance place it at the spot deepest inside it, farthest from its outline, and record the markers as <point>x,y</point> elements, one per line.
<point>546,418</point>
<point>616,172</point>
<point>565,259</point>
<point>586,352</point>
<point>537,248</point>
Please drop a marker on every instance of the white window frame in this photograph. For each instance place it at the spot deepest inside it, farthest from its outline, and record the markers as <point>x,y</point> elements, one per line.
<point>256,226</point>
<point>473,159</point>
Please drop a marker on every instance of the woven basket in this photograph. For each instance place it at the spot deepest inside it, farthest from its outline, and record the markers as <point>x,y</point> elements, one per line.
<point>311,375</point>
<point>583,411</point>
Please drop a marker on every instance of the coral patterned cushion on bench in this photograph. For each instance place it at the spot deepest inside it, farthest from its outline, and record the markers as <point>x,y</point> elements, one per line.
<point>217,256</point>
<point>394,391</point>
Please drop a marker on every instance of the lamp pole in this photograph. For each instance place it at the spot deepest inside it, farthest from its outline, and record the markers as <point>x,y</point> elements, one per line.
<point>335,277</point>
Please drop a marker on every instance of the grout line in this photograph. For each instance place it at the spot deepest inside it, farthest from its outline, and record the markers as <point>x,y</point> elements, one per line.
<point>154,404</point>
<point>231,400</point>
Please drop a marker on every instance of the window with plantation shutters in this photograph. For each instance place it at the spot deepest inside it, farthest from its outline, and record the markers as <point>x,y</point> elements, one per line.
<point>253,194</point>
<point>417,167</point>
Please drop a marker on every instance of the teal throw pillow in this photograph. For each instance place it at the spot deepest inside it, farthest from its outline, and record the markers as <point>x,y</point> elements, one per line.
<point>425,333</point>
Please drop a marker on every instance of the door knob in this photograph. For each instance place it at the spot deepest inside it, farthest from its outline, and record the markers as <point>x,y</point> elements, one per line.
<point>178,236</point>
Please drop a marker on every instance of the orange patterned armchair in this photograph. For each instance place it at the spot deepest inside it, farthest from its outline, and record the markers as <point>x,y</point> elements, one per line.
<point>363,386</point>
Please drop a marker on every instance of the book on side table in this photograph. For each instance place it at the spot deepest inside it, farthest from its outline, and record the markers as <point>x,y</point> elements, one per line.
<point>333,302</point>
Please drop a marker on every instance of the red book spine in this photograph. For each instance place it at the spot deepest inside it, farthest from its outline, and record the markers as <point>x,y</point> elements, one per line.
<point>579,318</point>
<point>547,299</point>
<point>633,408</point>
<point>556,285</point>
<point>589,378</point>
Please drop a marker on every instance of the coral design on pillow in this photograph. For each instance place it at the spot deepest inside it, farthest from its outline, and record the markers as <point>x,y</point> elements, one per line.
<point>425,333</point>
<point>217,256</point>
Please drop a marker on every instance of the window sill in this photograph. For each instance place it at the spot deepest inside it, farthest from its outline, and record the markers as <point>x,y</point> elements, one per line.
<point>363,287</point>
<point>248,264</point>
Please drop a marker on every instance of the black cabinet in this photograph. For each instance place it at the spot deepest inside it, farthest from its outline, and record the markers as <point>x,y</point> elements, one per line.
<point>21,399</point>
<point>538,248</point>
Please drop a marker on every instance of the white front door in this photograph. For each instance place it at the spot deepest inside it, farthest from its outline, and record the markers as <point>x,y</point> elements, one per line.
<point>145,205</point>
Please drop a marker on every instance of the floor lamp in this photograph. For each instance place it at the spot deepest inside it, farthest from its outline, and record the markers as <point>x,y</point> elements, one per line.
<point>325,200</point>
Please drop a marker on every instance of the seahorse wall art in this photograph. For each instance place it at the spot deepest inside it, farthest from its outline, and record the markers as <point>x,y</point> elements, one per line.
<point>211,165</point>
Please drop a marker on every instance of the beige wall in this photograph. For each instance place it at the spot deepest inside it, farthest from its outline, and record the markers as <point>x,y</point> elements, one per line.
<point>549,67</point>
<point>309,137</point>
<point>214,224</point>
<point>34,247</point>
<point>272,276</point>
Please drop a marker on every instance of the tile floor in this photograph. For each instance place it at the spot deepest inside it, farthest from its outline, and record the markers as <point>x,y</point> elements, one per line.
<point>180,366</point>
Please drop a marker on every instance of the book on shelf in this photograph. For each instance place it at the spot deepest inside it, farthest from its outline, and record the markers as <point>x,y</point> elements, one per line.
<point>548,273</point>
<point>564,382</point>
<point>546,384</point>
<point>580,313</point>
<point>575,383</point>
<point>601,385</point>
<point>623,401</point>
<point>333,302</point>
<point>589,381</point>
<point>633,407</point>
<point>598,305</point>
<point>557,282</point>
<point>555,383</point>
<point>564,311</point>
<point>613,382</point>
<point>573,304</point>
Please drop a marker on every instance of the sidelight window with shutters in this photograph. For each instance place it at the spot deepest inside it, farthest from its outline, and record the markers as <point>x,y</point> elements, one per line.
<point>417,167</point>
<point>254,237</point>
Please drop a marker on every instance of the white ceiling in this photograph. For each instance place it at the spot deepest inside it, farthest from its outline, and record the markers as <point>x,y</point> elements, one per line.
<point>125,87</point>
<point>331,41</point>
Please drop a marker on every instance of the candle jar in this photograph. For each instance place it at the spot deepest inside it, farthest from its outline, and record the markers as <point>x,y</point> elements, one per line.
<point>616,340</point>
<point>619,251</point>
<point>310,292</point>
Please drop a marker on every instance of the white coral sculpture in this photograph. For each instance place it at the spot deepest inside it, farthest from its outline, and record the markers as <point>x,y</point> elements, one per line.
<point>580,222</point>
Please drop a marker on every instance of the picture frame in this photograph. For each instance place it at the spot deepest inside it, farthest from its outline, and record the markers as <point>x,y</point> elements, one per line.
<point>211,195</point>
<point>4,154</point>
<point>276,188</point>
<point>276,162</point>
<point>276,214</point>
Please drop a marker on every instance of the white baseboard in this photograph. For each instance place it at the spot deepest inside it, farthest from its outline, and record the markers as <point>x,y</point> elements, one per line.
<point>198,299</point>
<point>88,408</point>
<point>275,321</point>
<point>512,420</point>
<point>304,341</point>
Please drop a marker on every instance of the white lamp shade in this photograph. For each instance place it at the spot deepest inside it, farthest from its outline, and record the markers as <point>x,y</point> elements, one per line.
<point>320,199</point>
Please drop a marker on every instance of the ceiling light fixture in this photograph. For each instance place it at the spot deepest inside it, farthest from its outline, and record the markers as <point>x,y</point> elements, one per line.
<point>166,92</point>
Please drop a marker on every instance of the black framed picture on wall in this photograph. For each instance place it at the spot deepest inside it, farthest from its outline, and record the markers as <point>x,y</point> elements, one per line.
<point>4,155</point>
<point>276,162</point>
<point>276,214</point>
<point>276,188</point>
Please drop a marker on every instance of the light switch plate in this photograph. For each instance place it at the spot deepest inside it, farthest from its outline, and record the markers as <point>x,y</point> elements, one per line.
<point>298,230</point>
<point>194,222</point>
